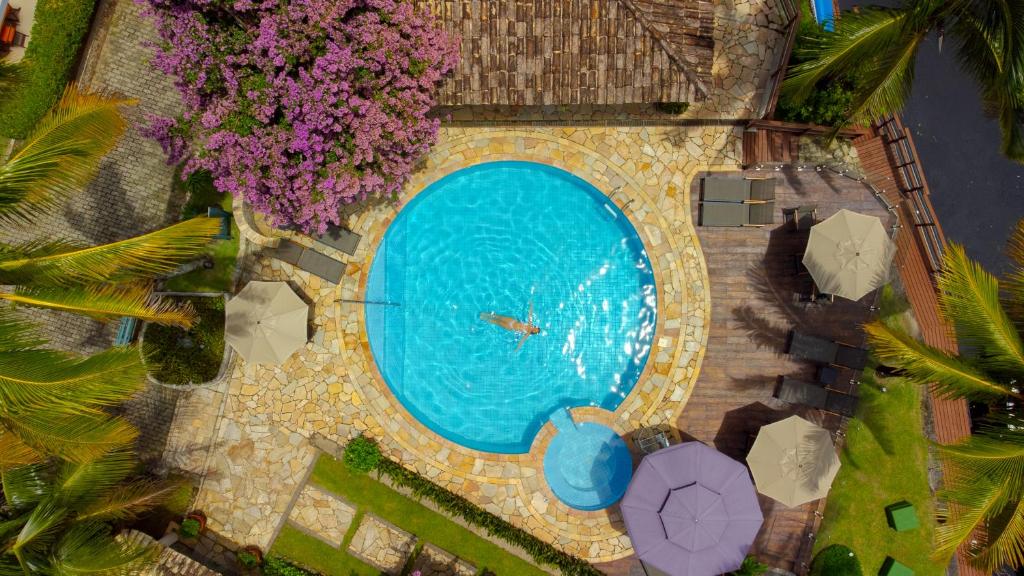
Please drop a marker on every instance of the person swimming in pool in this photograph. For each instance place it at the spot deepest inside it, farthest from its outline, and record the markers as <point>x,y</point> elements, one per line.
<point>527,328</point>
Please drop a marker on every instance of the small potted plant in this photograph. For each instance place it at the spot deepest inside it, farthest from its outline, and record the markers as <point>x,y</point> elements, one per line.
<point>193,525</point>
<point>249,557</point>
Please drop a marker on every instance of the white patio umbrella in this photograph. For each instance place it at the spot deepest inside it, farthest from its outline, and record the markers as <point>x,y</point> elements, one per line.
<point>266,322</point>
<point>849,254</point>
<point>793,461</point>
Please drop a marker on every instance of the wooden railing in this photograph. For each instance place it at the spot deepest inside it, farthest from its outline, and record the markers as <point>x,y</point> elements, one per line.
<point>792,13</point>
<point>914,188</point>
<point>805,129</point>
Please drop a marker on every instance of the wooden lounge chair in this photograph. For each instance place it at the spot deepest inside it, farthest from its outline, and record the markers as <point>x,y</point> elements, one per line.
<point>725,214</point>
<point>721,189</point>
<point>794,391</point>
<point>823,351</point>
<point>309,260</point>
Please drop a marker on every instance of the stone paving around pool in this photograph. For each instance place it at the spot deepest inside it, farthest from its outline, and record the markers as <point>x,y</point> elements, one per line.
<point>322,514</point>
<point>272,416</point>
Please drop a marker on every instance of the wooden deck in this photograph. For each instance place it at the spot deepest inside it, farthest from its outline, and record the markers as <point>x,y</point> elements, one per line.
<point>752,279</point>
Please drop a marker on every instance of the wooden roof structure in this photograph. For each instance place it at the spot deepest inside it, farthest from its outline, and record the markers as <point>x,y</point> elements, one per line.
<point>567,52</point>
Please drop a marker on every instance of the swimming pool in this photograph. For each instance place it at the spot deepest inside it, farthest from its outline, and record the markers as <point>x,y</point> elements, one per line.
<point>499,238</point>
<point>824,13</point>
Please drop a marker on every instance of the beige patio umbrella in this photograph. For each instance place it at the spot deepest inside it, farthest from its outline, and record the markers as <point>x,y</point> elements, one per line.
<point>793,461</point>
<point>849,254</point>
<point>266,322</point>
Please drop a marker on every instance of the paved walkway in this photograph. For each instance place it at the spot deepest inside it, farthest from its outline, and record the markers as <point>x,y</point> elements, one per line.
<point>132,192</point>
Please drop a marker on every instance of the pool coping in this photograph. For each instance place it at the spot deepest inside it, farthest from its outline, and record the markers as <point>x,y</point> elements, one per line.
<point>668,383</point>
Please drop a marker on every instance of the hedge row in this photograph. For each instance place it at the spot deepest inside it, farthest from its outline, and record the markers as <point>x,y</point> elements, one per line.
<point>542,552</point>
<point>276,566</point>
<point>58,31</point>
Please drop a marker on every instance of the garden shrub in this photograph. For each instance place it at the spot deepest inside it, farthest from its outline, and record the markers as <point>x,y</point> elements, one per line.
<point>750,567</point>
<point>672,107</point>
<point>455,505</point>
<point>275,566</point>
<point>829,104</point>
<point>836,560</point>
<point>177,356</point>
<point>247,559</point>
<point>362,455</point>
<point>301,110</point>
<point>58,31</point>
<point>189,528</point>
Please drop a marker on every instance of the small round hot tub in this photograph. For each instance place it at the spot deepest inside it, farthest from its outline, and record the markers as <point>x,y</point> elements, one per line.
<point>588,466</point>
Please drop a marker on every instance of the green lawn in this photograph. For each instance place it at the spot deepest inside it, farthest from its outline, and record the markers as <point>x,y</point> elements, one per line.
<point>884,461</point>
<point>316,554</point>
<point>369,495</point>
<point>224,252</point>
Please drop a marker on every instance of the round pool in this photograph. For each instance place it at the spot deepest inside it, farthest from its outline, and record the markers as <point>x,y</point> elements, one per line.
<point>495,244</point>
<point>588,466</point>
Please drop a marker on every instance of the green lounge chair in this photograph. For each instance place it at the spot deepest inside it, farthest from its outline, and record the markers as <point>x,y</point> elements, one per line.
<point>724,214</point>
<point>891,567</point>
<point>309,260</point>
<point>723,189</point>
<point>901,516</point>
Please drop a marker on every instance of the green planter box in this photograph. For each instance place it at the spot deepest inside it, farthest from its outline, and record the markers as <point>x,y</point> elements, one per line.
<point>901,516</point>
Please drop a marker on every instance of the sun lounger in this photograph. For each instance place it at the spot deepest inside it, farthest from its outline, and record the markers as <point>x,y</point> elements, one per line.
<point>340,239</point>
<point>724,214</point>
<point>823,351</point>
<point>309,260</point>
<point>721,189</point>
<point>795,391</point>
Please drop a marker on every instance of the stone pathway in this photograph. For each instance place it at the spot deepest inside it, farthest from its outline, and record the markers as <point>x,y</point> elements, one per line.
<point>432,561</point>
<point>381,545</point>
<point>323,514</point>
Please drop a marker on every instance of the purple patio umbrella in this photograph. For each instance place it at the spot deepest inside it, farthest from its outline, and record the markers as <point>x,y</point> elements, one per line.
<point>691,511</point>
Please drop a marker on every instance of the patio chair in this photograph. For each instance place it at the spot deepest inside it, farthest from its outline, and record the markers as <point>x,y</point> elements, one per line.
<point>309,260</point>
<point>733,214</point>
<point>803,217</point>
<point>225,221</point>
<point>722,189</point>
<point>823,351</point>
<point>339,238</point>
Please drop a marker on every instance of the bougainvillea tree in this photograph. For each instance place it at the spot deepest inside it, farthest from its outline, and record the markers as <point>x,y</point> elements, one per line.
<point>301,106</point>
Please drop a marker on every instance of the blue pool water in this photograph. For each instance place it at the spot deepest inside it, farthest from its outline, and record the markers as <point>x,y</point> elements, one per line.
<point>495,238</point>
<point>587,465</point>
<point>824,13</point>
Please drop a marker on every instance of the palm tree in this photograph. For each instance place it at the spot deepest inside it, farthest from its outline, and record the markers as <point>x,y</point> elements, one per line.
<point>984,481</point>
<point>54,403</point>
<point>879,46</point>
<point>59,158</point>
<point>55,517</point>
<point>10,75</point>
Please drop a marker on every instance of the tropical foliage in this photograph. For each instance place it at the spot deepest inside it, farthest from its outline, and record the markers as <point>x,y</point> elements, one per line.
<point>54,403</point>
<point>305,109</point>
<point>56,517</point>
<point>57,159</point>
<point>879,46</point>
<point>984,482</point>
<point>828,103</point>
<point>192,356</point>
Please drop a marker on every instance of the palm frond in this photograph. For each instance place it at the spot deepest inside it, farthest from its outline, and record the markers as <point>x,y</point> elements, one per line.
<point>995,451</point>
<point>16,333</point>
<point>126,501</point>
<point>76,438</point>
<point>970,298</point>
<point>89,480</point>
<point>11,75</point>
<point>1014,282</point>
<point>90,549</point>
<point>15,453</point>
<point>105,302</point>
<point>146,256</point>
<point>859,39</point>
<point>1001,543</point>
<point>971,505</point>
<point>884,86</point>
<point>26,486</point>
<point>53,380</point>
<point>951,377</point>
<point>61,155</point>
<point>40,528</point>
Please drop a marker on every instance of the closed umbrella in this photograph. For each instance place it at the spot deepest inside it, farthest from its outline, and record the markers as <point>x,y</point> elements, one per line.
<point>266,322</point>
<point>793,461</point>
<point>691,511</point>
<point>849,254</point>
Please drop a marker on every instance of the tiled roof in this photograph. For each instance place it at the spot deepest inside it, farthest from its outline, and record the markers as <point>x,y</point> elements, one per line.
<point>552,52</point>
